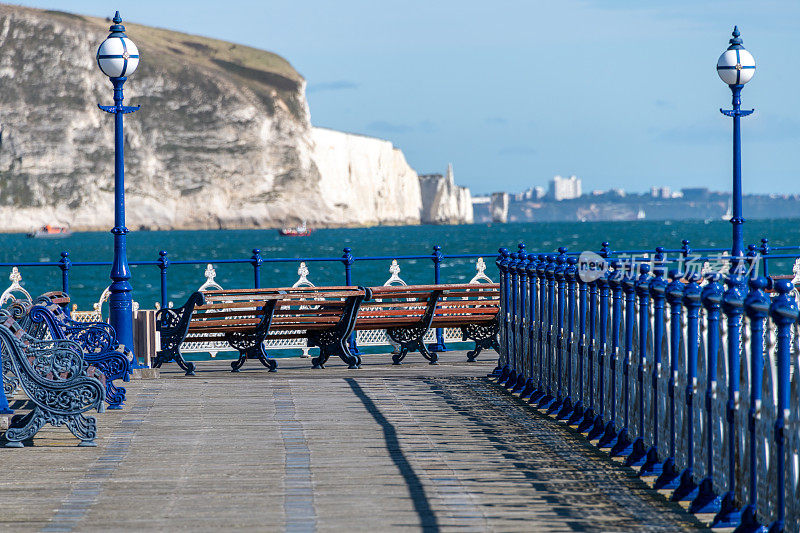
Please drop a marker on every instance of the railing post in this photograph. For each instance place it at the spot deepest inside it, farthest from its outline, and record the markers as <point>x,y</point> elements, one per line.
<point>610,435</point>
<point>437,257</point>
<point>638,454</point>
<point>522,322</point>
<point>512,326</point>
<point>64,265</point>
<point>729,514</point>
<point>757,307</point>
<point>256,261</point>
<point>658,288</point>
<point>578,409</point>
<point>670,476</point>
<point>163,264</point>
<point>541,266</point>
<point>501,316</point>
<point>569,274</point>
<point>502,265</point>
<point>707,500</point>
<point>558,273</point>
<point>765,250</point>
<point>348,260</point>
<point>784,313</point>
<point>530,270</point>
<point>589,414</point>
<point>598,426</point>
<point>550,276</point>
<point>692,294</point>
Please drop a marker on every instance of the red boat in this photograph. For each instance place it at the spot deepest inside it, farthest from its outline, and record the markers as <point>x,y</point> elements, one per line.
<point>299,231</point>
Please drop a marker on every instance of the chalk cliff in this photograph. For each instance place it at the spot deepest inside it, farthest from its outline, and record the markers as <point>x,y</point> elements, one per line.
<point>444,202</point>
<point>365,180</point>
<point>223,138</point>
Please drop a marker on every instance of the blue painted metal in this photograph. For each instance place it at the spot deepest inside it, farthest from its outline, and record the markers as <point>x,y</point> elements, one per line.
<point>522,322</point>
<point>638,454</point>
<point>512,325</point>
<point>658,289</point>
<point>498,370</point>
<point>502,266</point>
<point>549,344</point>
<point>97,340</point>
<point>784,312</point>
<point>570,273</point>
<point>60,401</point>
<point>256,261</point>
<point>120,301</point>
<point>707,500</point>
<point>541,313</point>
<point>624,446</point>
<point>559,273</point>
<point>757,307</point>
<point>530,271</point>
<point>578,409</point>
<point>729,514</point>
<point>65,265</point>
<point>737,247</point>
<point>437,257</point>
<point>692,295</point>
<point>163,265</point>
<point>670,476</point>
<point>609,437</point>
<point>589,415</point>
<point>348,260</point>
<point>598,427</point>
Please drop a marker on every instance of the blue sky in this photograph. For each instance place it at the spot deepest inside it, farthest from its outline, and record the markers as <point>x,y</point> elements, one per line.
<point>622,93</point>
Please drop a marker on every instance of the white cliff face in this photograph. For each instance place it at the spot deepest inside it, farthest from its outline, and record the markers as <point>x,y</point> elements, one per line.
<point>444,202</point>
<point>365,180</point>
<point>223,138</point>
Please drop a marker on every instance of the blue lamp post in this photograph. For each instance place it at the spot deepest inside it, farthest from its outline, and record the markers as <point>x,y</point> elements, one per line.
<point>118,58</point>
<point>736,67</point>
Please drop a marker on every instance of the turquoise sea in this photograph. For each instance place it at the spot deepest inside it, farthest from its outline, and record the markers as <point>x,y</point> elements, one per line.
<point>87,282</point>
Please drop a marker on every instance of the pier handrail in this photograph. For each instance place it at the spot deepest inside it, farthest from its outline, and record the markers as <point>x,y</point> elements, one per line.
<point>692,378</point>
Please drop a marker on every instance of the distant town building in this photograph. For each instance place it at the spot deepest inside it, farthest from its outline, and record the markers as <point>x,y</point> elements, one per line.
<point>696,193</point>
<point>661,192</point>
<point>564,188</point>
<point>534,193</point>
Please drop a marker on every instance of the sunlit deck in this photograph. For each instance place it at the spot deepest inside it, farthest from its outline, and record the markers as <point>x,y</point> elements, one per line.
<point>380,448</point>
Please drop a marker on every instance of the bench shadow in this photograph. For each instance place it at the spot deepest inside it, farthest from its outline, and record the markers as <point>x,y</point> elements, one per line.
<point>426,515</point>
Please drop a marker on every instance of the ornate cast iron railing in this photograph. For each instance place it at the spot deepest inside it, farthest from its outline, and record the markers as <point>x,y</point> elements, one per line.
<point>692,377</point>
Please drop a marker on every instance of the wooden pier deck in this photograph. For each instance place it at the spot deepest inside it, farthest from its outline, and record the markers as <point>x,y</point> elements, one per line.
<point>382,448</point>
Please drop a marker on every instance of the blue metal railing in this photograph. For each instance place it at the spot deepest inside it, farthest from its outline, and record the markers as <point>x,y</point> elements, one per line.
<point>653,369</point>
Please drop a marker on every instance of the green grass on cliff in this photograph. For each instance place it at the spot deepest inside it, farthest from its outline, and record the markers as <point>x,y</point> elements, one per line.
<point>260,70</point>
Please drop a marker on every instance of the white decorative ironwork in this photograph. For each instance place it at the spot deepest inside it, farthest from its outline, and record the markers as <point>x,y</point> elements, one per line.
<point>96,314</point>
<point>211,282</point>
<point>303,273</point>
<point>481,276</point>
<point>15,287</point>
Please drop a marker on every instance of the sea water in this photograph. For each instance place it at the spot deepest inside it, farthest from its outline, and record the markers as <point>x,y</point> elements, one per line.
<point>88,282</point>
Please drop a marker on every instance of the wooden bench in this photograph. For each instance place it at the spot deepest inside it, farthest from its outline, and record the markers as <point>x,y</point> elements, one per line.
<point>53,375</point>
<point>408,312</point>
<point>245,318</point>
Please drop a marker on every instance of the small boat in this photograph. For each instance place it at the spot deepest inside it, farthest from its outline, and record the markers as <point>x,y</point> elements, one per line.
<point>48,231</point>
<point>298,231</point>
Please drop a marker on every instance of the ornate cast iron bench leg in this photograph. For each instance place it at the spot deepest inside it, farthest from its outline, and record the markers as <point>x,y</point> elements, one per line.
<point>484,335</point>
<point>250,346</point>
<point>411,339</point>
<point>52,374</point>
<point>333,341</point>
<point>173,325</point>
